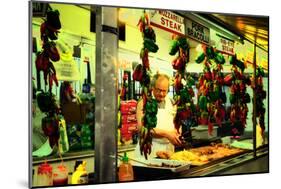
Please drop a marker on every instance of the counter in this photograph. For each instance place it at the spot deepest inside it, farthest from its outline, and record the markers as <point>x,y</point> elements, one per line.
<point>244,163</point>
<point>78,155</point>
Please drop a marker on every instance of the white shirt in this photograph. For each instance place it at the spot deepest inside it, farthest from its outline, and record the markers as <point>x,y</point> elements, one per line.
<point>165,121</point>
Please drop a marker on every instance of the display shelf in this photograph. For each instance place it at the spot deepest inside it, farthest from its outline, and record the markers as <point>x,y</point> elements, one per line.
<point>77,155</point>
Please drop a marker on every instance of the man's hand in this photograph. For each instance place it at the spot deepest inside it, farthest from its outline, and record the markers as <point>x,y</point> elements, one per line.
<point>174,137</point>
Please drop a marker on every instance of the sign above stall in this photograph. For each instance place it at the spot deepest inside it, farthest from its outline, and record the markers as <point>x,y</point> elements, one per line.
<point>39,9</point>
<point>197,31</point>
<point>168,21</point>
<point>225,45</point>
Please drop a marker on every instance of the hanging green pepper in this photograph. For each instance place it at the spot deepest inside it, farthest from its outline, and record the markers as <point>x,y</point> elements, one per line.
<point>232,98</point>
<point>191,81</point>
<point>183,43</point>
<point>150,121</point>
<point>210,52</point>
<point>260,72</point>
<point>184,95</point>
<point>203,102</point>
<point>232,60</point>
<point>212,96</point>
<point>151,107</point>
<point>217,92</point>
<point>154,106</point>
<point>240,65</point>
<point>150,45</point>
<point>200,58</point>
<point>150,34</point>
<point>174,47</point>
<point>219,58</point>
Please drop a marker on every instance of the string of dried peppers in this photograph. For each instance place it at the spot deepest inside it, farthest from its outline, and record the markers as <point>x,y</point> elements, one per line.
<point>211,96</point>
<point>183,82</point>
<point>142,73</point>
<point>260,96</point>
<point>238,97</point>
<point>46,100</point>
<point>49,30</point>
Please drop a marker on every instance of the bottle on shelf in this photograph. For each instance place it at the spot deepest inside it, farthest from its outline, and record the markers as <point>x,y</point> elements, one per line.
<point>60,175</point>
<point>80,176</point>
<point>45,175</point>
<point>125,172</point>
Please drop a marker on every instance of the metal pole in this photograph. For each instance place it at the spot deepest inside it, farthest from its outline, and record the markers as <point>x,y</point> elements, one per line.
<point>254,105</point>
<point>30,93</point>
<point>106,95</point>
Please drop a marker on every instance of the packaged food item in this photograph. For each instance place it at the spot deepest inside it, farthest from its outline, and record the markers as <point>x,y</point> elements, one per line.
<point>74,139</point>
<point>129,118</point>
<point>127,131</point>
<point>45,175</point>
<point>63,140</point>
<point>128,107</point>
<point>60,175</point>
<point>86,137</point>
<point>125,172</point>
<point>80,176</point>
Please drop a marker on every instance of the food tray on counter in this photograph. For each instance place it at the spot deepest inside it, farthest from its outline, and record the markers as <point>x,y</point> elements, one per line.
<point>152,169</point>
<point>163,164</point>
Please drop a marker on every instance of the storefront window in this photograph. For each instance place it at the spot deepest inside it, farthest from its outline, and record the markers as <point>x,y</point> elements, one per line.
<point>63,72</point>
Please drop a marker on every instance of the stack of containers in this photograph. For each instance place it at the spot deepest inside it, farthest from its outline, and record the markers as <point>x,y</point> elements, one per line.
<point>129,120</point>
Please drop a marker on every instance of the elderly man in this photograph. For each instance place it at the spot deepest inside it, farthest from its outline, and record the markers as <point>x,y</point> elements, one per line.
<point>165,137</point>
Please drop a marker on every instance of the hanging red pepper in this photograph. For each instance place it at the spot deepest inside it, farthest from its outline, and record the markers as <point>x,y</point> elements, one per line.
<point>145,60</point>
<point>177,83</point>
<point>141,74</point>
<point>138,73</point>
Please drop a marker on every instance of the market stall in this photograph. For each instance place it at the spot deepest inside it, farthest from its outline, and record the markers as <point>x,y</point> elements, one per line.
<point>89,77</point>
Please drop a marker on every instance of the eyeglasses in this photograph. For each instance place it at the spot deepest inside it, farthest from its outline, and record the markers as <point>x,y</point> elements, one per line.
<point>160,90</point>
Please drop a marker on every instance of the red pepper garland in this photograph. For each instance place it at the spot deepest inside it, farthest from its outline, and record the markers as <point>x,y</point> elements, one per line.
<point>183,82</point>
<point>260,96</point>
<point>49,30</point>
<point>211,97</point>
<point>46,100</point>
<point>238,96</point>
<point>142,74</point>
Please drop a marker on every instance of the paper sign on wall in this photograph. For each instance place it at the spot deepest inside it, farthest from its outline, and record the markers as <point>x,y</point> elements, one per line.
<point>67,70</point>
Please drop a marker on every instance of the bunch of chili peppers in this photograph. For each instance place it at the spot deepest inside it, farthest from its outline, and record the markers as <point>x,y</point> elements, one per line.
<point>211,96</point>
<point>238,97</point>
<point>46,100</point>
<point>183,82</point>
<point>49,30</point>
<point>260,96</point>
<point>142,74</point>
